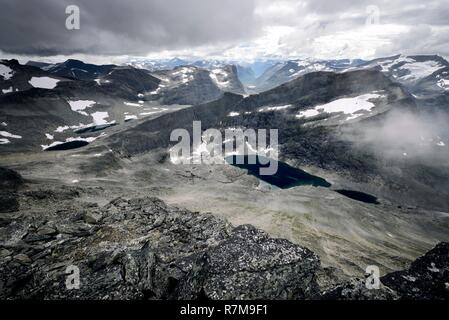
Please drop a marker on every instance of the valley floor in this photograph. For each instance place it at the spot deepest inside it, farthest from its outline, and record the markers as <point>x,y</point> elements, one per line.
<point>346,234</point>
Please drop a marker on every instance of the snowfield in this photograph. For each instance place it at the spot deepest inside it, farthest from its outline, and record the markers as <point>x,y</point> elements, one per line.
<point>185,74</point>
<point>349,106</point>
<point>99,117</point>
<point>130,117</point>
<point>274,108</point>
<point>387,65</point>
<point>80,105</point>
<point>220,78</point>
<point>149,113</point>
<point>6,72</point>
<point>158,89</point>
<point>420,70</point>
<point>43,82</point>
<point>415,70</point>
<point>306,66</point>
<point>443,84</point>
<point>61,129</point>
<point>9,135</point>
<point>89,140</point>
<point>5,135</point>
<point>132,104</point>
<point>7,90</point>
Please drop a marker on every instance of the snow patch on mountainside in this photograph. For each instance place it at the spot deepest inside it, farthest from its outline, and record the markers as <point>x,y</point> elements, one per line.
<point>349,106</point>
<point>220,77</point>
<point>420,70</point>
<point>158,89</point>
<point>153,110</point>
<point>100,118</point>
<point>80,105</point>
<point>6,72</point>
<point>130,117</point>
<point>307,67</point>
<point>89,140</point>
<point>43,82</point>
<point>6,134</point>
<point>61,129</point>
<point>274,108</point>
<point>388,65</point>
<point>4,91</point>
<point>443,84</point>
<point>184,74</point>
<point>408,69</point>
<point>132,104</point>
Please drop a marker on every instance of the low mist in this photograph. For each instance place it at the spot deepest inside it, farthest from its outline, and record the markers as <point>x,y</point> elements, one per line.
<point>406,135</point>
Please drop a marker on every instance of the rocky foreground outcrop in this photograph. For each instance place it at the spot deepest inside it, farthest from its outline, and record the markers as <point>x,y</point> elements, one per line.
<point>144,249</point>
<point>141,248</point>
<point>427,277</point>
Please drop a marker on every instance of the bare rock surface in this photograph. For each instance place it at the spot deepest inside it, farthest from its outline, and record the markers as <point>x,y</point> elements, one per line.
<point>142,248</point>
<point>427,277</point>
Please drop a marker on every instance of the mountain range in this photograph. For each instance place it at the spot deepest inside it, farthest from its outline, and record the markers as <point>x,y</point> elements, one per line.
<point>87,149</point>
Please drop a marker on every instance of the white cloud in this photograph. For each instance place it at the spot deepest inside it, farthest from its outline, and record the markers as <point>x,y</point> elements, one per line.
<point>247,29</point>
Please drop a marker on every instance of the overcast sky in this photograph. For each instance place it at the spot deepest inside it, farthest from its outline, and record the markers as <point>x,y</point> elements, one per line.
<point>235,29</point>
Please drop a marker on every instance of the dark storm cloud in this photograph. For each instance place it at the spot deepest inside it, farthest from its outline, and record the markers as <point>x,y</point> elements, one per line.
<point>122,27</point>
<point>320,28</point>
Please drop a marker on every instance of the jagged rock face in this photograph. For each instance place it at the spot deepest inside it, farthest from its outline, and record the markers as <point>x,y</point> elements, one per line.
<point>241,265</point>
<point>355,289</point>
<point>143,249</point>
<point>427,277</point>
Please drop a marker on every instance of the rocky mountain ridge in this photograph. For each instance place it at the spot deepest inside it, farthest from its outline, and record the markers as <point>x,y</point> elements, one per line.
<point>144,249</point>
